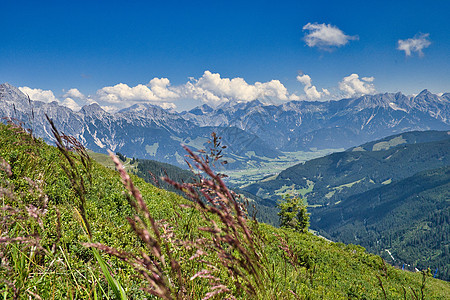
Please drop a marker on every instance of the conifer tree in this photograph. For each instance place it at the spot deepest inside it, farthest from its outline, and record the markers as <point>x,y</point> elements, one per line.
<point>293,214</point>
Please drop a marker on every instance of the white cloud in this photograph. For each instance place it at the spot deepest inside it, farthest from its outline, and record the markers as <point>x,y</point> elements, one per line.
<point>368,79</point>
<point>325,36</point>
<point>112,98</point>
<point>70,103</point>
<point>213,89</point>
<point>74,93</point>
<point>416,44</point>
<point>46,96</point>
<point>121,95</point>
<point>160,87</point>
<point>352,86</point>
<point>167,105</point>
<point>210,88</point>
<point>109,108</point>
<point>74,99</point>
<point>310,90</point>
<point>71,97</point>
<point>294,97</point>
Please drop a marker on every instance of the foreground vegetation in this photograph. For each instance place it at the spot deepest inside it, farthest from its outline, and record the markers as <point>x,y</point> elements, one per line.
<point>71,228</point>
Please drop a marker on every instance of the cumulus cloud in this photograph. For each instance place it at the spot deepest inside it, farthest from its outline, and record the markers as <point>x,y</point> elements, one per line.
<point>112,98</point>
<point>70,103</point>
<point>167,105</point>
<point>352,86</point>
<point>368,79</point>
<point>210,88</point>
<point>213,89</point>
<point>46,96</point>
<point>310,90</point>
<point>74,93</point>
<point>74,99</point>
<point>416,44</point>
<point>325,36</point>
<point>160,87</point>
<point>109,108</point>
<point>121,95</point>
<point>294,97</point>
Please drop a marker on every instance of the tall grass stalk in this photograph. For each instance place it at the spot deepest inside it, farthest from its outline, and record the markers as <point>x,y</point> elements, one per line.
<point>79,184</point>
<point>224,254</point>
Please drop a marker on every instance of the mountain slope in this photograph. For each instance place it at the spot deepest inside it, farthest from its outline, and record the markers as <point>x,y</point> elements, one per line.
<point>252,130</point>
<point>411,218</point>
<point>152,172</point>
<point>63,266</point>
<point>302,125</point>
<point>332,178</point>
<point>414,137</point>
<point>388,194</point>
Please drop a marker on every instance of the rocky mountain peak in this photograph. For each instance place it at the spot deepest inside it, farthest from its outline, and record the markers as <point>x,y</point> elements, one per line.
<point>425,98</point>
<point>423,93</point>
<point>136,107</point>
<point>446,96</point>
<point>149,131</point>
<point>13,96</point>
<point>92,110</point>
<point>201,110</point>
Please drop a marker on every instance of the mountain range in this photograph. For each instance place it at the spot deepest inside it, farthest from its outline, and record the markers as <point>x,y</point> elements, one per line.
<point>251,130</point>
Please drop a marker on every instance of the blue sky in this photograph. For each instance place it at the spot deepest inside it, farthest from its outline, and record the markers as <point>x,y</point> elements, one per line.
<point>78,52</point>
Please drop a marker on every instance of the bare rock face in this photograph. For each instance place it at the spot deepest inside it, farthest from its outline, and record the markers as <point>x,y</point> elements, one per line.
<point>142,131</point>
<point>148,131</point>
<point>301,125</point>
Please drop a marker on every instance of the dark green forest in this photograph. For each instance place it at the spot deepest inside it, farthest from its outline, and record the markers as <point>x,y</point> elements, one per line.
<point>410,218</point>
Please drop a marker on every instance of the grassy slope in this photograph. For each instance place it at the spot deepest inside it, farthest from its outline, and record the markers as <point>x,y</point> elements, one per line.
<point>68,269</point>
<point>151,170</point>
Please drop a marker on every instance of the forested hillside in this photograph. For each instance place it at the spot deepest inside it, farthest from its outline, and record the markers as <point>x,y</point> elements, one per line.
<point>332,178</point>
<point>65,234</point>
<point>391,194</point>
<point>410,218</point>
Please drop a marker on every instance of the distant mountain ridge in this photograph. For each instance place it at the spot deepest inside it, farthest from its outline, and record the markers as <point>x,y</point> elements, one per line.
<point>302,125</point>
<point>251,130</point>
<point>409,217</point>
<point>143,131</point>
